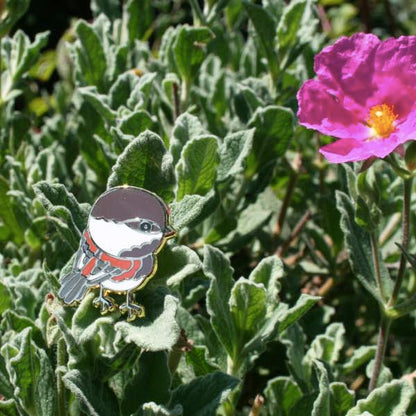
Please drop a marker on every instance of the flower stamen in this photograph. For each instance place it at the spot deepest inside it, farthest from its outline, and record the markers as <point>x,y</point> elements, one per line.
<point>382,120</point>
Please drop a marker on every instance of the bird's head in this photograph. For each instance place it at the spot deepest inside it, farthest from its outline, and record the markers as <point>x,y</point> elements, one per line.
<point>129,222</point>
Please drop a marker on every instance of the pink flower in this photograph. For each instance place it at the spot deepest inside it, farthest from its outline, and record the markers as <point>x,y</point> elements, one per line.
<point>365,95</point>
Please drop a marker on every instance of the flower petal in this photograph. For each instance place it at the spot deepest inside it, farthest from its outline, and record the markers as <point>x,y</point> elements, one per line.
<point>350,150</point>
<point>406,130</point>
<point>320,110</point>
<point>392,91</point>
<point>397,58</point>
<point>347,67</point>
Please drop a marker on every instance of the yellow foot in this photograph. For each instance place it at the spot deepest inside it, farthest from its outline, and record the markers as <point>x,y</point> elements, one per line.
<point>134,311</point>
<point>105,304</point>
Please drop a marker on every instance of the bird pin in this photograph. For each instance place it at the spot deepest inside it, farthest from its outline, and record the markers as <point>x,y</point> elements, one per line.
<point>127,227</point>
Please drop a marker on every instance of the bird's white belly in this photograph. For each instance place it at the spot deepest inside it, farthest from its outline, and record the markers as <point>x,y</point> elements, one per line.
<point>123,285</point>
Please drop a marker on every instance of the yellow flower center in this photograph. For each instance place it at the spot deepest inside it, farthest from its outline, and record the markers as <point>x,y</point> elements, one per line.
<point>381,119</point>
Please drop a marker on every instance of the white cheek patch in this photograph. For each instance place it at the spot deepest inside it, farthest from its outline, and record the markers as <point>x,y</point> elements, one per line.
<point>114,238</point>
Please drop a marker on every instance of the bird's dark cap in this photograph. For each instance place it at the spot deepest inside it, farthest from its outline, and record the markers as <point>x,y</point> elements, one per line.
<point>128,202</point>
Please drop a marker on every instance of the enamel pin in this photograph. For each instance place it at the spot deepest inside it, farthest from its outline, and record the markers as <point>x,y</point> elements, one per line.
<point>127,227</point>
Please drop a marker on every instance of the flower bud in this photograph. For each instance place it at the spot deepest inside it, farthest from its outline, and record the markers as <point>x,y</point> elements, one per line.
<point>410,156</point>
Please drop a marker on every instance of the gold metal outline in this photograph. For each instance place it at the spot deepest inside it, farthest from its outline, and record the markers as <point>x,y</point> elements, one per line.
<point>165,238</point>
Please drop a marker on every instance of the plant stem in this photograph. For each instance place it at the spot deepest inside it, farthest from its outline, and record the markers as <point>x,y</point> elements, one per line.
<point>386,321</point>
<point>293,178</point>
<point>61,361</point>
<point>1,71</point>
<point>383,335</point>
<point>289,191</point>
<point>294,234</point>
<point>232,367</point>
<point>407,197</point>
<point>186,88</point>
<point>376,262</point>
<point>176,101</point>
<point>390,228</point>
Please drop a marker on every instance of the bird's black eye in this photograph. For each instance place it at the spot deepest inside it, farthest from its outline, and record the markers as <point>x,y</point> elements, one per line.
<point>145,226</point>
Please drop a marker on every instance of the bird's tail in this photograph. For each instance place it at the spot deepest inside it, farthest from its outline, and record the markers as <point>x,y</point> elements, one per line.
<point>74,286</point>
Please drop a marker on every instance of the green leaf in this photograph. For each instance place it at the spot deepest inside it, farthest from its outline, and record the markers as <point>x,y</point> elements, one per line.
<point>359,357</point>
<point>166,53</point>
<point>193,209</point>
<point>139,20</point>
<point>327,347</point>
<point>153,409</point>
<point>189,323</point>
<point>294,339</point>
<point>98,398</point>
<point>145,163</point>
<point>91,150</point>
<point>136,123</point>
<point>197,169</point>
<point>187,127</point>
<point>17,323</point>
<point>46,394</point>
<point>7,214</point>
<point>111,8</point>
<point>188,50</point>
<point>211,391</point>
<point>99,102</point>
<point>321,406</point>
<point>292,315</point>
<point>90,58</point>
<point>274,129</point>
<point>392,399</point>
<point>9,407</point>
<point>210,339</point>
<point>402,308</point>
<point>14,10</point>
<point>24,294</point>
<point>269,272</point>
<point>54,195</point>
<point>295,29</point>
<point>122,89</point>
<point>385,373</point>
<point>197,358</point>
<point>25,367</point>
<point>25,53</point>
<point>31,374</point>
<point>141,93</point>
<point>342,399</point>
<point>359,249</point>
<point>87,321</point>
<point>250,222</point>
<point>248,312</point>
<point>281,395</point>
<point>246,102</point>
<point>175,263</point>
<point>290,23</point>
<point>304,405</point>
<point>218,269</point>
<point>6,387</point>
<point>153,379</point>
<point>5,298</point>
<point>159,329</point>
<point>257,344</point>
<point>69,217</point>
<point>234,151</point>
<point>265,27</point>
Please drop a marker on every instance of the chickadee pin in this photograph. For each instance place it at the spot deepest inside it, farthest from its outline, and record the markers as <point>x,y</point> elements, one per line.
<point>126,228</point>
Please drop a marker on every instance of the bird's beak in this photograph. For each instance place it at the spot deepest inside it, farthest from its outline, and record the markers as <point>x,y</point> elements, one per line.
<point>169,232</point>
